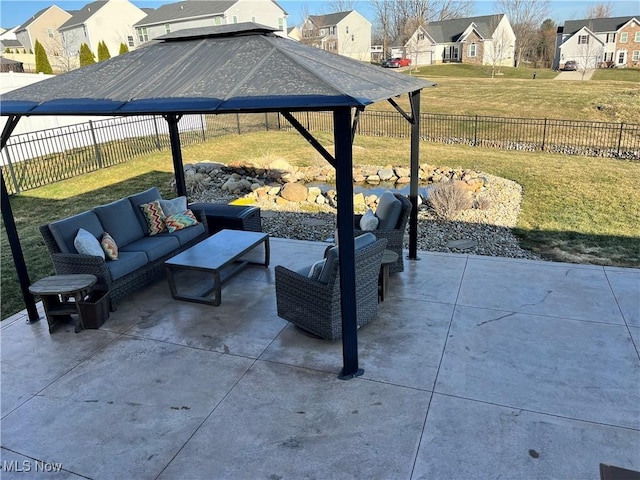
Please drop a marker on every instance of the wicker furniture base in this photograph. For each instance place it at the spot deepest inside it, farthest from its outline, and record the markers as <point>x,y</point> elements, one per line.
<point>230,217</point>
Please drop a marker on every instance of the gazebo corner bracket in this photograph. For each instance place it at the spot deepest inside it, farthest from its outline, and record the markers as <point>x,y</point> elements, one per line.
<point>309,138</point>
<point>409,118</point>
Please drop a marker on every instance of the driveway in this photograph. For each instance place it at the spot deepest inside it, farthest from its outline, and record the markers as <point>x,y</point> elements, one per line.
<point>577,75</point>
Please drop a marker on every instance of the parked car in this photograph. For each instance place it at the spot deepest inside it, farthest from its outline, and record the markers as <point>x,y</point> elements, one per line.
<point>570,66</point>
<point>396,62</point>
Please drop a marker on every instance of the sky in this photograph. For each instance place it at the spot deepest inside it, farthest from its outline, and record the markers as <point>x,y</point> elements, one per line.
<point>16,12</point>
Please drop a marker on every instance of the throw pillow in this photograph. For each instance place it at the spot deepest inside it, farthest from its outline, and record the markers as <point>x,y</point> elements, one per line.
<point>109,246</point>
<point>179,221</point>
<point>154,215</point>
<point>316,268</point>
<point>87,244</point>
<point>369,221</point>
<point>176,205</point>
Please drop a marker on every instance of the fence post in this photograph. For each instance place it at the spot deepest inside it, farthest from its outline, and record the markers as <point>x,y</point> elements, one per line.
<point>620,138</point>
<point>96,146</point>
<point>155,124</point>
<point>279,124</point>
<point>202,124</point>
<point>266,120</point>
<point>544,134</point>
<point>10,165</point>
<point>238,122</point>
<point>308,122</point>
<point>475,132</point>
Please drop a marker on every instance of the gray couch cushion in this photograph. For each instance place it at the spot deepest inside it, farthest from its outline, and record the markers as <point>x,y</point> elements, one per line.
<point>120,221</point>
<point>186,235</point>
<point>127,262</point>
<point>388,211</point>
<point>65,231</point>
<point>153,247</point>
<point>333,253</point>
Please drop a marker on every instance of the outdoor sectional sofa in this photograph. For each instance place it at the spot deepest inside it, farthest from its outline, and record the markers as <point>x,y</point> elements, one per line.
<point>140,256</point>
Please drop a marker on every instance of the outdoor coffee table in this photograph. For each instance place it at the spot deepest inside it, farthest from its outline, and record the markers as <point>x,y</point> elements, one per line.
<point>61,295</point>
<point>221,256</point>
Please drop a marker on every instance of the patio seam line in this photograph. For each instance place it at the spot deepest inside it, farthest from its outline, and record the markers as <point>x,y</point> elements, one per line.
<point>66,372</point>
<point>435,379</point>
<point>621,312</point>
<point>543,315</point>
<point>62,469</point>
<point>555,415</point>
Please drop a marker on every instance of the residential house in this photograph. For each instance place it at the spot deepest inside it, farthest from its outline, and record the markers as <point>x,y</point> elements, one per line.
<point>599,42</point>
<point>344,33</point>
<point>43,27</point>
<point>197,13</point>
<point>294,33</point>
<point>484,40</point>
<point>108,21</point>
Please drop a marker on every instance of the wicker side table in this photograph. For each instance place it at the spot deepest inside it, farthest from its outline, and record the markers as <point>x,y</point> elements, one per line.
<point>60,296</point>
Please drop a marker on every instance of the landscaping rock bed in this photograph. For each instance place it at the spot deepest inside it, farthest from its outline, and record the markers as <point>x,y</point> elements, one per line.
<point>292,209</point>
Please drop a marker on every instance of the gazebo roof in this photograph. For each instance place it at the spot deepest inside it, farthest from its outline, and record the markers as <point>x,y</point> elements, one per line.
<point>222,69</point>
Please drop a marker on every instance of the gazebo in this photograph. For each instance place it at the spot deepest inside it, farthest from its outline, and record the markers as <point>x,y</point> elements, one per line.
<point>241,68</point>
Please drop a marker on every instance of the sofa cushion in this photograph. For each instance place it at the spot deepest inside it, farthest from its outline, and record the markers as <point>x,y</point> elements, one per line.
<point>64,231</point>
<point>127,263</point>
<point>120,220</point>
<point>369,221</point>
<point>333,253</point>
<point>388,211</point>
<point>153,247</point>
<point>186,235</point>
<point>109,246</point>
<point>143,197</point>
<point>154,216</point>
<point>87,244</point>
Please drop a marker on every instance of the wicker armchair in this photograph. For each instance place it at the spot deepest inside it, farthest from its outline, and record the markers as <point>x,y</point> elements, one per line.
<point>395,237</point>
<point>314,306</point>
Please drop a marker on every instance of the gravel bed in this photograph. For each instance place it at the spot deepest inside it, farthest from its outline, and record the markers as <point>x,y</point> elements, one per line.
<point>475,231</point>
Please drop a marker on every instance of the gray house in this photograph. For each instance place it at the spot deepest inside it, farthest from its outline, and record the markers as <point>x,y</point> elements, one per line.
<point>196,13</point>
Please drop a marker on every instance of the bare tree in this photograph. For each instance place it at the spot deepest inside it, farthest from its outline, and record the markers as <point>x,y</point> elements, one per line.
<point>497,51</point>
<point>342,5</point>
<point>382,10</point>
<point>600,10</point>
<point>545,49</point>
<point>63,59</point>
<point>525,16</point>
<point>590,51</point>
<point>450,9</point>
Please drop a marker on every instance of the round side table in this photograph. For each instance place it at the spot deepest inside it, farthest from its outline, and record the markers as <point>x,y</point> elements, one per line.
<point>60,295</point>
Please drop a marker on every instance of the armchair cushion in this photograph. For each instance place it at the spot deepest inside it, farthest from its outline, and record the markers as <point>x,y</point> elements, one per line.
<point>120,220</point>
<point>369,221</point>
<point>388,211</point>
<point>332,254</point>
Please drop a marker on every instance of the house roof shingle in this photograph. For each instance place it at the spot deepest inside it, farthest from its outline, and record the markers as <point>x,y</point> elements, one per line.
<point>597,25</point>
<point>11,43</point>
<point>446,31</point>
<point>330,19</point>
<point>81,16</point>
<point>186,9</point>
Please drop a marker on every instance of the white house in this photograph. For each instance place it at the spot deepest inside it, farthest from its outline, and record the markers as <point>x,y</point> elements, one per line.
<point>172,17</point>
<point>345,33</point>
<point>108,21</point>
<point>485,40</point>
<point>599,42</point>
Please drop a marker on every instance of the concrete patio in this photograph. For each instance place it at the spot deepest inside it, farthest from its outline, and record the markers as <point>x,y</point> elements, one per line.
<point>476,368</point>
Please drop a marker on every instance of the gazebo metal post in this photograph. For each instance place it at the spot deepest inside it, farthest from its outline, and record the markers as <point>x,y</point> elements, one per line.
<point>176,152</point>
<point>12,231</point>
<point>346,233</point>
<point>414,98</point>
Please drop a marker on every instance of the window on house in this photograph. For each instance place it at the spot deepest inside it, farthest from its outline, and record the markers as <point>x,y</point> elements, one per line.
<point>473,50</point>
<point>50,32</point>
<point>167,28</point>
<point>624,37</point>
<point>281,23</point>
<point>622,56</point>
<point>143,36</point>
<point>611,38</point>
<point>333,30</point>
<point>217,21</point>
<point>352,38</point>
<point>635,56</point>
<point>421,36</point>
<point>608,57</point>
<point>346,29</point>
<point>235,19</point>
<point>637,38</point>
<point>583,40</point>
<point>253,19</point>
<point>130,41</point>
<point>322,31</point>
<point>332,46</point>
<point>84,30</point>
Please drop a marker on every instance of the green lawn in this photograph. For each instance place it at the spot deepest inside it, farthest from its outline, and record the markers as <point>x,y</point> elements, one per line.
<point>617,74</point>
<point>577,209</point>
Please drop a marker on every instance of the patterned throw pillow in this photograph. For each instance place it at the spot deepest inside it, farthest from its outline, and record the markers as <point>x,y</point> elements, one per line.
<point>179,221</point>
<point>109,246</point>
<point>155,217</point>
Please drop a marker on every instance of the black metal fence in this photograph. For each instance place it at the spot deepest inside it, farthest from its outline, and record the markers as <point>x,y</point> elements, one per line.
<point>35,159</point>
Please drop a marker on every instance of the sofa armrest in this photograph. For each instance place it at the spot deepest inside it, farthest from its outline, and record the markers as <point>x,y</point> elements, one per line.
<point>74,263</point>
